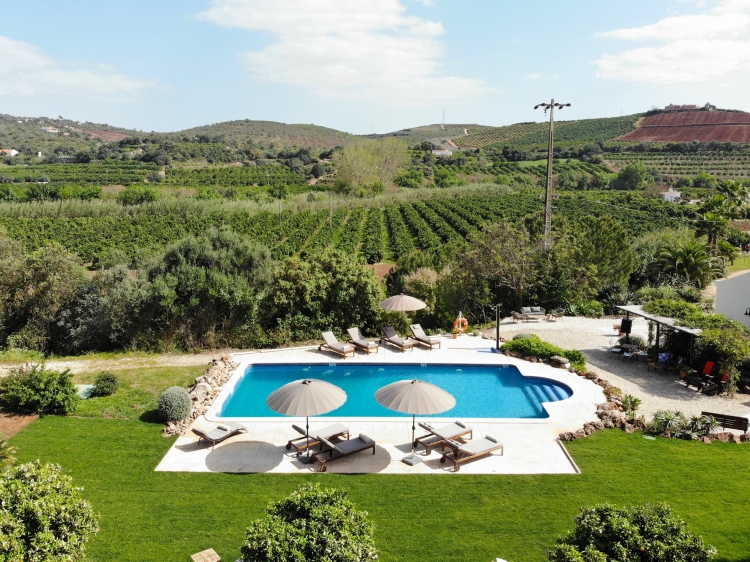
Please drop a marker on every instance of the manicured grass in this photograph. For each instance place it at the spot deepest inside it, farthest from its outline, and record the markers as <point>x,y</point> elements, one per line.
<point>741,263</point>
<point>147,515</point>
<point>139,391</point>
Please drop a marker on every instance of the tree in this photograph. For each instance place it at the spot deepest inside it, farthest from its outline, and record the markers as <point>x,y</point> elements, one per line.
<point>603,243</point>
<point>704,180</point>
<point>642,533</point>
<point>392,154</point>
<point>631,177</point>
<point>42,515</point>
<point>356,166</point>
<point>312,524</point>
<point>690,260</point>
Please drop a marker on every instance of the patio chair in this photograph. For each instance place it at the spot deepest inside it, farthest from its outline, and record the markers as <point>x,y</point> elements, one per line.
<point>359,341</point>
<point>301,444</point>
<point>460,453</point>
<point>219,433</point>
<point>661,363</point>
<point>342,449</point>
<point>390,336</point>
<point>437,437</point>
<point>555,314</point>
<point>423,338</point>
<point>717,386</point>
<point>332,344</point>
<point>518,317</point>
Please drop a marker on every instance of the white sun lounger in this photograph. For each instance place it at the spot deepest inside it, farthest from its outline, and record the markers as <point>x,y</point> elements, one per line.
<point>332,344</point>
<point>359,341</point>
<point>311,440</point>
<point>460,453</point>
<point>438,436</point>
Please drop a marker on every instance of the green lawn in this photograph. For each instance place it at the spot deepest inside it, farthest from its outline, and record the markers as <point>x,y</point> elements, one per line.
<point>741,263</point>
<point>167,516</point>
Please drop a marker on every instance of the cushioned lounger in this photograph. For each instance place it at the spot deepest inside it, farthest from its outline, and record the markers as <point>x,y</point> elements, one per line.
<point>423,338</point>
<point>438,436</point>
<point>390,336</point>
<point>331,452</point>
<point>329,432</point>
<point>460,453</point>
<point>332,344</point>
<point>359,341</point>
<point>219,433</point>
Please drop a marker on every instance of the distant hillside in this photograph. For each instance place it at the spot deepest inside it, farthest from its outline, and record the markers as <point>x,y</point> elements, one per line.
<point>266,133</point>
<point>523,135</point>
<point>687,126</point>
<point>435,133</point>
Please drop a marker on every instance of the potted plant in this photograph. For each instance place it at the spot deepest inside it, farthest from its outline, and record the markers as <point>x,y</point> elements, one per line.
<point>617,327</point>
<point>455,333</point>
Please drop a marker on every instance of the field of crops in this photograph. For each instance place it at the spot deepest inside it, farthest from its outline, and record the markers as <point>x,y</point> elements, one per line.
<point>118,172</point>
<point>537,168</point>
<point>566,132</point>
<point>718,164</point>
<point>233,176</point>
<point>377,234</point>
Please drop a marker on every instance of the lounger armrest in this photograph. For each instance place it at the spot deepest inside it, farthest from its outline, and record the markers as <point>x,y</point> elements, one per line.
<point>490,438</point>
<point>328,444</point>
<point>426,427</point>
<point>299,430</point>
<point>458,423</point>
<point>366,439</point>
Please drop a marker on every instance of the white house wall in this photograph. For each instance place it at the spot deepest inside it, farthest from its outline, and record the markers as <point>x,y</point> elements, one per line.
<point>733,298</point>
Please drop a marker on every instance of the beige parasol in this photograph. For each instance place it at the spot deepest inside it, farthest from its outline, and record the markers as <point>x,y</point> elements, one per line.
<point>402,303</point>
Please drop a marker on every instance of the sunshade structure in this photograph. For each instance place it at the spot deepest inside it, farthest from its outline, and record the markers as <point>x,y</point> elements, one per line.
<point>666,322</point>
<point>402,303</point>
<point>306,397</point>
<point>415,397</point>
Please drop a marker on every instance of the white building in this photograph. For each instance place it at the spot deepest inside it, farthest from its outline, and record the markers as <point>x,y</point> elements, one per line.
<point>8,151</point>
<point>733,298</point>
<point>671,195</point>
<point>443,153</point>
<point>50,129</point>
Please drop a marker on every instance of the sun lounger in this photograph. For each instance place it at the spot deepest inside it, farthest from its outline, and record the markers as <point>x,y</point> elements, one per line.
<point>332,344</point>
<point>460,453</point>
<point>437,437</point>
<point>390,336</point>
<point>423,338</point>
<point>359,341</point>
<point>219,433</point>
<point>329,432</point>
<point>331,452</point>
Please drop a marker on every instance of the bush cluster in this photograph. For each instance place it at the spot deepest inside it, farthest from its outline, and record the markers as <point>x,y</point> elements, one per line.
<point>670,423</point>
<point>105,384</point>
<point>175,404</point>
<point>536,347</point>
<point>37,390</point>
<point>314,525</point>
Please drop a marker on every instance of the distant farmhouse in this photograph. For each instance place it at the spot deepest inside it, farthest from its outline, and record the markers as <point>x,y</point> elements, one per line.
<point>671,195</point>
<point>50,129</point>
<point>8,151</point>
<point>673,107</point>
<point>443,153</point>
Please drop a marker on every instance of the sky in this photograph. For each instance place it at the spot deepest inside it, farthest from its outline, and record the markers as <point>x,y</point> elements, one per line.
<point>365,66</point>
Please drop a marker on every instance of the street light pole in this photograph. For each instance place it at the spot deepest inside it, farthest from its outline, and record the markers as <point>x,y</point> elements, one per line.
<point>548,192</point>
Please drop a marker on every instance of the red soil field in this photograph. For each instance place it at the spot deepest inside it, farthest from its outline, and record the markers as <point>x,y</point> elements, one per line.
<point>106,135</point>
<point>687,126</point>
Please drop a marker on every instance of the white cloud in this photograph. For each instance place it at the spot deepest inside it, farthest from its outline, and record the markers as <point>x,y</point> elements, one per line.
<point>368,49</point>
<point>535,76</point>
<point>25,70</point>
<point>711,48</point>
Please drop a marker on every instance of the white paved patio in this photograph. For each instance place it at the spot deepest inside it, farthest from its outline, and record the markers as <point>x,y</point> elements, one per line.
<point>530,445</point>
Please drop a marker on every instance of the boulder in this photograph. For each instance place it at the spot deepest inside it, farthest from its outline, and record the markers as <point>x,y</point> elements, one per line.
<point>559,362</point>
<point>627,428</point>
<point>723,436</point>
<point>639,425</point>
<point>707,439</point>
<point>567,436</point>
<point>580,434</point>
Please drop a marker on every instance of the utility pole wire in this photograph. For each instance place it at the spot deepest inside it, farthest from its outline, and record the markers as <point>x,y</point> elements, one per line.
<point>548,192</point>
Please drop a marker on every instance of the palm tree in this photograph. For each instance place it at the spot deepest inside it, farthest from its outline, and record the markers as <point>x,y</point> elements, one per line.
<point>691,260</point>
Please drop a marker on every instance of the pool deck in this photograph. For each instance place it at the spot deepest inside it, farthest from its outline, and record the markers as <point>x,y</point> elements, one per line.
<point>530,445</point>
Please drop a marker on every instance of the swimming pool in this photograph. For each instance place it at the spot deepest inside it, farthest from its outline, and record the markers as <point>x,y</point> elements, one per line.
<point>481,391</point>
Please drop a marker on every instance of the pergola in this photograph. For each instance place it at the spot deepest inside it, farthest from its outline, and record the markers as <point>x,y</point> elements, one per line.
<point>667,322</point>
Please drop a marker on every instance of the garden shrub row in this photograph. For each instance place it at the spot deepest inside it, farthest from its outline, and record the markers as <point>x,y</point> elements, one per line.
<point>534,346</point>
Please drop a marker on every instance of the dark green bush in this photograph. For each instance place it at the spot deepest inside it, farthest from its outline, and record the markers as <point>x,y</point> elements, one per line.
<point>36,390</point>
<point>523,336</point>
<point>536,347</point>
<point>105,384</point>
<point>175,404</point>
<point>634,533</point>
<point>43,515</point>
<point>589,309</point>
<point>314,525</point>
<point>138,194</point>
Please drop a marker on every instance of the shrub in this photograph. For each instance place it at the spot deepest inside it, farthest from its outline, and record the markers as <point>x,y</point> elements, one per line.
<point>644,532</point>
<point>589,309</point>
<point>175,404</point>
<point>36,390</point>
<point>523,336</point>
<point>671,308</point>
<point>631,403</point>
<point>137,195</point>
<point>312,524</point>
<point>536,347</point>
<point>7,452</point>
<point>105,384</point>
<point>634,340</point>
<point>43,515</point>
<point>670,423</point>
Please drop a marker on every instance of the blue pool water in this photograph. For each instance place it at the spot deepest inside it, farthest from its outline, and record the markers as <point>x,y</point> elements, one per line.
<point>481,391</point>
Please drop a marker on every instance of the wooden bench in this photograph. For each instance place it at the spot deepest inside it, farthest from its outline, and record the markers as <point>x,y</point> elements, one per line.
<point>729,422</point>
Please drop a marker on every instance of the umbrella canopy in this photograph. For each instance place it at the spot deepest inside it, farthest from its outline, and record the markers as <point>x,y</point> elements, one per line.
<point>402,303</point>
<point>306,397</point>
<point>415,397</point>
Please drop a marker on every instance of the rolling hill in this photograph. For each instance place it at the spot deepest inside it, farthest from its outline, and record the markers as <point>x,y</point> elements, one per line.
<point>687,126</point>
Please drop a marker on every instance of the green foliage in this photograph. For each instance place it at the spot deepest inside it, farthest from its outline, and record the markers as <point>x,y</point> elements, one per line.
<point>728,346</point>
<point>671,308</point>
<point>7,454</point>
<point>689,260</point>
<point>42,515</point>
<point>630,534</point>
<point>587,308</point>
<point>105,384</point>
<point>412,178</point>
<point>536,347</point>
<point>102,173</point>
<point>36,390</point>
<point>372,244</point>
<point>175,404</point>
<point>138,195</point>
<point>312,524</point>
<point>671,423</point>
<point>631,178</point>
<point>631,403</point>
